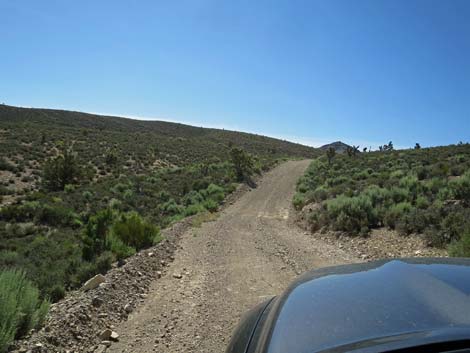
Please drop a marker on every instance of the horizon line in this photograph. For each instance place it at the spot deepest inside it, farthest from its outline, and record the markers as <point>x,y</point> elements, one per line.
<point>302,140</point>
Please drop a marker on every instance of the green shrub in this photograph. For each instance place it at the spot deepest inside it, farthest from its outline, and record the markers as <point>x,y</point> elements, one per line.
<point>444,194</point>
<point>414,221</point>
<point>200,184</point>
<point>135,231</point>
<point>119,188</point>
<point>399,194</point>
<point>69,188</point>
<point>30,208</point>
<point>8,258</point>
<point>171,208</point>
<point>215,192</point>
<point>377,195</point>
<point>62,170</point>
<point>111,157</point>
<point>337,181</point>
<point>397,212</point>
<point>210,205</point>
<point>299,200</point>
<point>20,307</point>
<point>164,196</point>
<point>103,262</point>
<point>434,185</point>
<point>320,194</point>
<point>128,195</point>
<point>421,173</point>
<point>4,165</point>
<point>460,187</point>
<point>57,215</point>
<point>461,247</point>
<point>454,224</point>
<point>57,292</point>
<point>422,202</point>
<point>21,213</point>
<point>87,195</point>
<point>6,191</point>
<point>441,170</point>
<point>231,187</point>
<point>114,204</point>
<point>118,248</point>
<point>243,163</point>
<point>50,260</point>
<point>351,214</point>
<point>301,187</point>
<point>194,209</point>
<point>410,183</point>
<point>192,198</point>
<point>95,234</point>
<point>397,174</point>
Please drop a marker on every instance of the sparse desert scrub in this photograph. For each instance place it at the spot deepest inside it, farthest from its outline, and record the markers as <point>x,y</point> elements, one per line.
<point>97,180</point>
<point>424,191</point>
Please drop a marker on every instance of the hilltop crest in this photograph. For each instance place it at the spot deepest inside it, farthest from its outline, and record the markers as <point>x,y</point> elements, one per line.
<point>339,146</point>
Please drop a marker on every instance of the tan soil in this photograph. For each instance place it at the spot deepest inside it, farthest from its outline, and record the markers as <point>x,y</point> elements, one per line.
<point>381,243</point>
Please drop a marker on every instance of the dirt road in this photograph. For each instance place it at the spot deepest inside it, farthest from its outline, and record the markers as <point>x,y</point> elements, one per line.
<point>251,252</point>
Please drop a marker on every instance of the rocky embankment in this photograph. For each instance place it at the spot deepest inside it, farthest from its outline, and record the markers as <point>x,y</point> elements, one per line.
<point>84,321</point>
<point>381,243</point>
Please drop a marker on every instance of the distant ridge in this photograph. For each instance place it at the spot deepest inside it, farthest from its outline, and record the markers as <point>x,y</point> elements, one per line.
<point>339,146</point>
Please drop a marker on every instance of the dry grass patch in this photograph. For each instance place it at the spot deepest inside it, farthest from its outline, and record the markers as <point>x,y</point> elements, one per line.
<point>203,217</point>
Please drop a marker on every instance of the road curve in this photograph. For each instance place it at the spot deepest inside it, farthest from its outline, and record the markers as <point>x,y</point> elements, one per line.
<point>252,251</point>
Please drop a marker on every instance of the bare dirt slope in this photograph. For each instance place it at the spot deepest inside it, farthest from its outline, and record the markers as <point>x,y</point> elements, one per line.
<point>251,252</point>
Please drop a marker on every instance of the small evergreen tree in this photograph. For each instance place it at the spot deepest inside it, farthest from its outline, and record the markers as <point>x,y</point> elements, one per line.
<point>95,235</point>
<point>242,163</point>
<point>62,170</point>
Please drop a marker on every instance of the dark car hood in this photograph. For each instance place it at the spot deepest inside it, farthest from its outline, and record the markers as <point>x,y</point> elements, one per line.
<point>358,306</point>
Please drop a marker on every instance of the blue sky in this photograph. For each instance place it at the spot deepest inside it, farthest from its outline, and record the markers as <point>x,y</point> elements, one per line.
<point>362,71</point>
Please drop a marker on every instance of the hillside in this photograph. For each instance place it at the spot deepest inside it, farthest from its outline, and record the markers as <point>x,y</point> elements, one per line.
<point>340,147</point>
<point>34,131</point>
<point>418,192</point>
<point>75,188</point>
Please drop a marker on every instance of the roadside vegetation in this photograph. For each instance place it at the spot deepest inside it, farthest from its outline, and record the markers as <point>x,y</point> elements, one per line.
<point>423,191</point>
<point>79,192</point>
<point>20,306</point>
